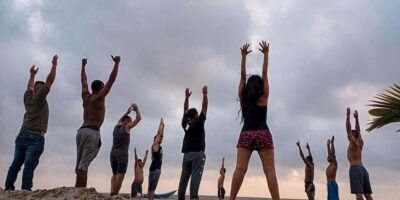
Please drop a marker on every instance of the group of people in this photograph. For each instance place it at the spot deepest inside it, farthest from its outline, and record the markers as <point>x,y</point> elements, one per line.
<point>255,135</point>
<point>359,178</point>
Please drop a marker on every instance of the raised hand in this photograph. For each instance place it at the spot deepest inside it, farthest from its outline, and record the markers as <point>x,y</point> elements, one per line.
<point>307,146</point>
<point>348,111</point>
<point>264,47</point>
<point>162,121</point>
<point>188,92</point>
<point>84,61</point>
<point>333,139</point>
<point>33,71</point>
<point>55,59</point>
<point>134,107</point>
<point>298,143</point>
<point>134,149</point>
<point>116,59</point>
<point>328,142</point>
<point>205,89</point>
<point>147,151</point>
<point>355,114</point>
<point>245,49</point>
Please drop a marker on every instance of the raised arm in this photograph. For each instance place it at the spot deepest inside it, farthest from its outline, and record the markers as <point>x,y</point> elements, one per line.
<point>328,143</point>
<point>204,106</point>
<point>357,122</point>
<point>113,76</point>
<point>31,81</point>
<point>119,123</point>
<point>132,124</point>
<point>308,149</point>
<point>136,157</point>
<point>265,50</point>
<point>186,103</point>
<point>145,158</point>
<point>85,87</point>
<point>302,154</point>
<point>223,163</point>
<point>333,152</point>
<point>160,133</point>
<point>244,51</point>
<point>52,75</point>
<point>348,124</point>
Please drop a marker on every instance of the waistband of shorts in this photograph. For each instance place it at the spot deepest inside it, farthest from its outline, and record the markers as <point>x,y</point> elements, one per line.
<point>37,133</point>
<point>96,128</point>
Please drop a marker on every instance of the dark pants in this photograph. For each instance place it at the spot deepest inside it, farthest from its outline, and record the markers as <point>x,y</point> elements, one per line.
<point>28,148</point>
<point>192,166</point>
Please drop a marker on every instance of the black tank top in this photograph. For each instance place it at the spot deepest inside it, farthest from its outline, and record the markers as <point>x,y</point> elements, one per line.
<point>121,139</point>
<point>258,122</point>
<point>156,159</point>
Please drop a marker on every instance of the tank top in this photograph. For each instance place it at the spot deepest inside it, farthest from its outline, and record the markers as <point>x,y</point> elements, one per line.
<point>259,121</point>
<point>156,159</point>
<point>121,139</point>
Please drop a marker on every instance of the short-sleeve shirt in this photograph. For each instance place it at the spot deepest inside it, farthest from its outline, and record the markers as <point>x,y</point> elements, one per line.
<point>194,139</point>
<point>36,115</point>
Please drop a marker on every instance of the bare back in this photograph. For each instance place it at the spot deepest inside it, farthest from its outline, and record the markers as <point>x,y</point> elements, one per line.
<point>221,181</point>
<point>331,171</point>
<point>354,152</point>
<point>93,110</point>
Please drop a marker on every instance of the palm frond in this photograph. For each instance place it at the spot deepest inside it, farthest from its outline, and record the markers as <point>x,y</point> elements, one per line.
<point>385,108</point>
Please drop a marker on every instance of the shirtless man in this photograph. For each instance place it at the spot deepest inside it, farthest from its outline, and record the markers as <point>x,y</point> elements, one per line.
<point>136,188</point>
<point>359,177</point>
<point>88,139</point>
<point>309,170</point>
<point>333,189</point>
<point>221,189</point>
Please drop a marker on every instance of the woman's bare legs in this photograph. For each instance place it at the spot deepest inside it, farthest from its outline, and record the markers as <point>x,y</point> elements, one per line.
<point>268,162</point>
<point>243,157</point>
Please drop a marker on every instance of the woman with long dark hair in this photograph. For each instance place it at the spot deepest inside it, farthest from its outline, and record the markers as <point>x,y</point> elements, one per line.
<point>255,134</point>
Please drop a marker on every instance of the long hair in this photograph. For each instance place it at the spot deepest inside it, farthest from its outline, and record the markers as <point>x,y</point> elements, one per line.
<point>252,91</point>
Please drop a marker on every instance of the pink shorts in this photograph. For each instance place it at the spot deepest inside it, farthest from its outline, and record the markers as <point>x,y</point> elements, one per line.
<point>255,140</point>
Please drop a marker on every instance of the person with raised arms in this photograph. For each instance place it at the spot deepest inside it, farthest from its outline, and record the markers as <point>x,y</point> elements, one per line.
<point>29,144</point>
<point>255,134</point>
<point>359,178</point>
<point>136,187</point>
<point>193,146</point>
<point>156,160</point>
<point>221,179</point>
<point>119,154</point>
<point>333,189</point>
<point>309,172</point>
<point>88,139</point>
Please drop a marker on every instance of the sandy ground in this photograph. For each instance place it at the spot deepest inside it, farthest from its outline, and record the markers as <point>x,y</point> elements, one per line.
<point>61,193</point>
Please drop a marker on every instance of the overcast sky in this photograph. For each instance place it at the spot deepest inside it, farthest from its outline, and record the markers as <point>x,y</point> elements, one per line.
<point>324,56</point>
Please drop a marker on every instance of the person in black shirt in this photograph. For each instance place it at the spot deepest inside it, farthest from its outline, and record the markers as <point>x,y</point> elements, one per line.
<point>255,134</point>
<point>119,153</point>
<point>193,146</point>
<point>156,161</point>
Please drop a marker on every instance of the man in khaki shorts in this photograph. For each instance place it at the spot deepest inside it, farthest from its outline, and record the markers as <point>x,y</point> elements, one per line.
<point>88,139</point>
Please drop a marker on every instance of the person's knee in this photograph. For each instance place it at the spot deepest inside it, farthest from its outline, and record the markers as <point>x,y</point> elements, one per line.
<point>269,170</point>
<point>32,164</point>
<point>241,169</point>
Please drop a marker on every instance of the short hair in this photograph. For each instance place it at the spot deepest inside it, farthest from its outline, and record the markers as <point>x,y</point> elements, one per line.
<point>125,117</point>
<point>192,113</point>
<point>356,132</point>
<point>310,158</point>
<point>97,85</point>
<point>139,160</point>
<point>224,170</point>
<point>39,83</point>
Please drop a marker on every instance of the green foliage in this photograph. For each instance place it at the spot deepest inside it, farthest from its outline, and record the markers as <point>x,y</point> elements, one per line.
<point>386,108</point>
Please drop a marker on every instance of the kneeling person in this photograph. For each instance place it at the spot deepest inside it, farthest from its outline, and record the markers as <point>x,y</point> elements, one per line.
<point>136,188</point>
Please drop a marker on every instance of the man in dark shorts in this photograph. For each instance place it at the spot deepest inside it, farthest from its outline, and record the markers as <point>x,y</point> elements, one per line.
<point>193,146</point>
<point>309,171</point>
<point>29,144</point>
<point>359,177</point>
<point>156,161</point>
<point>221,189</point>
<point>88,139</point>
<point>120,150</point>
<point>136,187</point>
<point>333,189</point>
